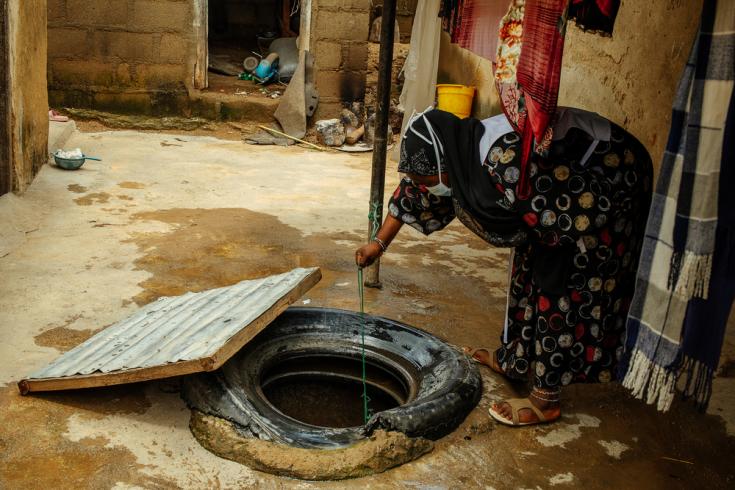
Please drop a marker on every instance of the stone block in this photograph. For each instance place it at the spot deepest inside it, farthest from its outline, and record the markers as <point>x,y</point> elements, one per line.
<point>122,102</point>
<point>80,73</point>
<point>174,48</point>
<point>328,55</point>
<point>126,46</point>
<point>159,75</point>
<point>355,56</point>
<point>67,43</point>
<point>346,86</point>
<point>161,15</point>
<point>97,13</point>
<point>345,4</point>
<point>56,10</point>
<point>341,25</point>
<point>330,132</point>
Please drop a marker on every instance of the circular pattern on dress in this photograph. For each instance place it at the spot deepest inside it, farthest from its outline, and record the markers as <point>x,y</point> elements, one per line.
<point>590,242</point>
<point>556,359</point>
<point>538,203</point>
<point>600,220</point>
<point>521,366</point>
<point>603,204</point>
<point>511,138</point>
<point>581,261</point>
<point>561,172</point>
<point>544,184</point>
<point>566,378</point>
<point>410,219</point>
<point>540,369</point>
<point>581,222</point>
<point>594,284</point>
<point>631,178</point>
<point>393,209</point>
<point>576,184</point>
<point>611,160</point>
<point>576,349</point>
<point>508,156</point>
<point>542,325</point>
<point>548,344</point>
<point>587,200</point>
<point>406,204</point>
<point>526,332</point>
<point>628,157</point>
<point>577,281</point>
<point>511,175</point>
<point>495,154</point>
<point>563,202</point>
<point>565,222</point>
<point>552,378</point>
<point>548,218</point>
<point>563,304</point>
<point>565,340</point>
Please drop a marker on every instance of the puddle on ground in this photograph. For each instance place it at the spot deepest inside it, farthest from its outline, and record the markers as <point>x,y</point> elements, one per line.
<point>37,454</point>
<point>76,188</point>
<point>93,198</point>
<point>131,185</point>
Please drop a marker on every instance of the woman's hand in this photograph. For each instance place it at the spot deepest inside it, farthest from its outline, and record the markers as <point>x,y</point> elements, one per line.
<point>366,255</point>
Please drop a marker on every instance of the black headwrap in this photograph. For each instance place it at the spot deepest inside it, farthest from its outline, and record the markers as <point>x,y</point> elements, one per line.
<point>472,187</point>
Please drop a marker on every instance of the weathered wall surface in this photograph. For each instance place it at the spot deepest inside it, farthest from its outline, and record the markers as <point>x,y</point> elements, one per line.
<point>338,41</point>
<point>27,96</point>
<point>629,78</point>
<point>132,56</point>
<point>405,10</point>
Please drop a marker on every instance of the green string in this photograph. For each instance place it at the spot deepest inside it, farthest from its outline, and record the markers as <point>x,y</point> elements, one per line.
<point>373,216</point>
<point>365,399</point>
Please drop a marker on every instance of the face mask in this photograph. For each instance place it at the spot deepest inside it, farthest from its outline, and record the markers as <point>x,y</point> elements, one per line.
<point>441,189</point>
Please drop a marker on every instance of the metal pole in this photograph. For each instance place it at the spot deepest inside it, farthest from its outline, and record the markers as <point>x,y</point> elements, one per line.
<point>380,141</point>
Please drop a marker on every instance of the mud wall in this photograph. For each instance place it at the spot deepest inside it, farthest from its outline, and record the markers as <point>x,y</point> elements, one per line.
<point>134,56</point>
<point>629,78</point>
<point>26,107</point>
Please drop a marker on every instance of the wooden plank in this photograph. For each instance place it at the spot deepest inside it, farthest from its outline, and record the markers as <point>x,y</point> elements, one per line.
<point>6,166</point>
<point>201,37</point>
<point>232,346</point>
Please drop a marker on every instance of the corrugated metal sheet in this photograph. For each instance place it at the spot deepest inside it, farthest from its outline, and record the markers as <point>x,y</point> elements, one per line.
<point>172,329</point>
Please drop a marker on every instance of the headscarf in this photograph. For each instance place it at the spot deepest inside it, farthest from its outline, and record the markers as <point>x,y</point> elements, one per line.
<point>458,143</point>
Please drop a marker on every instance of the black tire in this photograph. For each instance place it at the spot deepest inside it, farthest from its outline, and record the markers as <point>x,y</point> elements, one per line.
<point>441,384</point>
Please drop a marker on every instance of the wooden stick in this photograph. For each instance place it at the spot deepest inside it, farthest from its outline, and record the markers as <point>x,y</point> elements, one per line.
<point>291,137</point>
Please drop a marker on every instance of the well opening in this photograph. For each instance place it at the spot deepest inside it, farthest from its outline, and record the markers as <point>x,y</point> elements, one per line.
<point>327,390</point>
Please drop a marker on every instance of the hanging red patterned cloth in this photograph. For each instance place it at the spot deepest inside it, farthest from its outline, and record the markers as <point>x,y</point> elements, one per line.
<point>528,79</point>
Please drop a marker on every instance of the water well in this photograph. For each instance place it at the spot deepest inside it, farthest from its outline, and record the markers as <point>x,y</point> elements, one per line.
<point>290,402</point>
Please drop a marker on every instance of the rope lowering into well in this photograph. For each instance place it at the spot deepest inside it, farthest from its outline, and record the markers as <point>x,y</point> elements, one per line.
<point>365,399</point>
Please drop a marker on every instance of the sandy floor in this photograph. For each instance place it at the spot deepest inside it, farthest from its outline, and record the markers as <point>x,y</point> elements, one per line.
<point>162,215</point>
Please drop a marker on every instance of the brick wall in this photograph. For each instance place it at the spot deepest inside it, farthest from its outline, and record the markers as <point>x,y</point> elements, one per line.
<point>339,33</point>
<point>125,55</point>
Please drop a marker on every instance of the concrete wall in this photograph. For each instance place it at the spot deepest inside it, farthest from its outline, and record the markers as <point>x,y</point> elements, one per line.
<point>132,56</point>
<point>25,125</point>
<point>629,78</point>
<point>338,41</point>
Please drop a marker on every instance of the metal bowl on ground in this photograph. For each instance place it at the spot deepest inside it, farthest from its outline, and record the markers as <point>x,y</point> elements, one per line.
<point>69,163</point>
<point>73,163</point>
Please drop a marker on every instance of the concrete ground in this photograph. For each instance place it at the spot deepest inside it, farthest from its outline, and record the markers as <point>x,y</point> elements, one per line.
<point>164,214</point>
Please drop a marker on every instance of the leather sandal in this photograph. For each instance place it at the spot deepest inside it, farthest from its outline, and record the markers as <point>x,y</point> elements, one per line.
<point>516,405</point>
<point>494,365</point>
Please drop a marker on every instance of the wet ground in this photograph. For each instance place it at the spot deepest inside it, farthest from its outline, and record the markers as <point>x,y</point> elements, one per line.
<point>165,214</point>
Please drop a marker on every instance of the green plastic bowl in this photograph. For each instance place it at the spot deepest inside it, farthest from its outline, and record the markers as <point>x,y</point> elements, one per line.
<point>69,163</point>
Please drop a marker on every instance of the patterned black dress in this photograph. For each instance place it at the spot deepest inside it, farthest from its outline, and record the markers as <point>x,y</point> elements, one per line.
<point>574,263</point>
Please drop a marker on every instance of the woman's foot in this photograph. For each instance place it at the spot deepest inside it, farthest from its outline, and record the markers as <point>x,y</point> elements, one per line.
<point>540,407</point>
<point>485,357</point>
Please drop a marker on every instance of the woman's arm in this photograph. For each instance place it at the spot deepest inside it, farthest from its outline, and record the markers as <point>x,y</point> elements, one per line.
<point>367,254</point>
